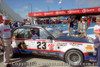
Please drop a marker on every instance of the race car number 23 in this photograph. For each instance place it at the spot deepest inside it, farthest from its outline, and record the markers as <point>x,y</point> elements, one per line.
<point>43,45</point>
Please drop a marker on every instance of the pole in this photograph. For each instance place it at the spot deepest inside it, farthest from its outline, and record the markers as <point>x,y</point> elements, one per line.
<point>31,12</point>
<point>60,6</point>
<point>31,8</point>
<point>48,8</point>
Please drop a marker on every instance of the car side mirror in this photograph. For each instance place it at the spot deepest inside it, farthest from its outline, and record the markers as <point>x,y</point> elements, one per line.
<point>49,37</point>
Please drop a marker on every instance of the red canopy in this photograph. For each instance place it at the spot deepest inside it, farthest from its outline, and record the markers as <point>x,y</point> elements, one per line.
<point>25,20</point>
<point>65,12</point>
<point>1,19</point>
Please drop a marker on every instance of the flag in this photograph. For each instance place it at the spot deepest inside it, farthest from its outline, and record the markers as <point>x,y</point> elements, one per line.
<point>36,9</point>
<point>60,1</point>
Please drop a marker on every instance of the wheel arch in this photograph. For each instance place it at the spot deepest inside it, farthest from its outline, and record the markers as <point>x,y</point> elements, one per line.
<point>74,49</point>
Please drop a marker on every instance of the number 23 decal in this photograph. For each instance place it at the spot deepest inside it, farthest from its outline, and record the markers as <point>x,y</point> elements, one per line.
<point>39,44</point>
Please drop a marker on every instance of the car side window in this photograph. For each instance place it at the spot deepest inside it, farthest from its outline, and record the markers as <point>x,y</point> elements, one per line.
<point>27,34</point>
<point>43,34</point>
<point>35,33</point>
<point>22,33</point>
<point>19,33</point>
<point>15,33</point>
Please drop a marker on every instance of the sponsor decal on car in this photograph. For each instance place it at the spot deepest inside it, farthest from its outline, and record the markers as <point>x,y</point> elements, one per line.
<point>43,52</point>
<point>61,55</point>
<point>34,52</point>
<point>61,44</point>
<point>51,46</point>
<point>41,45</point>
<point>76,44</point>
<point>33,42</point>
<point>52,53</point>
<point>89,47</point>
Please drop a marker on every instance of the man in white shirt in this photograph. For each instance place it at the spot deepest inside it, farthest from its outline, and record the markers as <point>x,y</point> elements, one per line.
<point>97,40</point>
<point>5,37</point>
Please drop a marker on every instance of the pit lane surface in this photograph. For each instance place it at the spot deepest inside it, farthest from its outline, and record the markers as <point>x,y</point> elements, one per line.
<point>27,60</point>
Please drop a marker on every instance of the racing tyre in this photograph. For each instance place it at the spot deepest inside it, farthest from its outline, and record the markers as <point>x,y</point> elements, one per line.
<point>11,53</point>
<point>74,58</point>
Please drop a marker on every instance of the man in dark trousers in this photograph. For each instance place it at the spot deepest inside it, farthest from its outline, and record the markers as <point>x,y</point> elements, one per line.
<point>71,26</point>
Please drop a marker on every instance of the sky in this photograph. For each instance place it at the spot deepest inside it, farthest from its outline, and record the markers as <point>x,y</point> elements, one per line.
<point>23,7</point>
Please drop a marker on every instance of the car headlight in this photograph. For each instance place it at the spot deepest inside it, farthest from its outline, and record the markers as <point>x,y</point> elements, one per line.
<point>91,40</point>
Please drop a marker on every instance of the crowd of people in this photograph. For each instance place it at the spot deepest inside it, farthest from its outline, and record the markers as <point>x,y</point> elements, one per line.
<point>61,20</point>
<point>48,21</point>
<point>75,26</point>
<point>16,24</point>
<point>78,27</point>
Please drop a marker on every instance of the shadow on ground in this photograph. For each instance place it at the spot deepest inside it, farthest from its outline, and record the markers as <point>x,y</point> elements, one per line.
<point>23,58</point>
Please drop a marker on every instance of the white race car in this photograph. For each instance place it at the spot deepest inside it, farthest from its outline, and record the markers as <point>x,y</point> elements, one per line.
<point>50,42</point>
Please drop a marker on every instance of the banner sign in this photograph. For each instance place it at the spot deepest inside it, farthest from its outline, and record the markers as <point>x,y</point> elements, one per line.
<point>65,12</point>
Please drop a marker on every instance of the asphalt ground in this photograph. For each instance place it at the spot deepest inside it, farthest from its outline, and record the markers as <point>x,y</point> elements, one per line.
<point>29,60</point>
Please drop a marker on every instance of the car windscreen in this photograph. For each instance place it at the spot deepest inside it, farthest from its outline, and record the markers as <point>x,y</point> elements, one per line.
<point>53,32</point>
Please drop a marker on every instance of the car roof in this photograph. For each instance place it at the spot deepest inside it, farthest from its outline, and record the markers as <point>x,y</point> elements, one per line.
<point>37,26</point>
<point>33,26</point>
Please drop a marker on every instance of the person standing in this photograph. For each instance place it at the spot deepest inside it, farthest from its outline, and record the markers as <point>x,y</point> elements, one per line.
<point>70,26</point>
<point>82,27</point>
<point>75,27</point>
<point>10,24</point>
<point>88,20</point>
<point>13,24</point>
<point>97,40</point>
<point>18,24</point>
<point>5,37</point>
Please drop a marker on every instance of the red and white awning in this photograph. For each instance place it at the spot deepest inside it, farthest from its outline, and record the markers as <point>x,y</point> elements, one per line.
<point>65,12</point>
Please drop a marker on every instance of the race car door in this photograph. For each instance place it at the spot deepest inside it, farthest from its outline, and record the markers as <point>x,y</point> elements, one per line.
<point>41,44</point>
<point>20,38</point>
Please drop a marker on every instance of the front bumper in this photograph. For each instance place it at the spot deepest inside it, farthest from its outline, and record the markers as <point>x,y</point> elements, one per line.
<point>92,57</point>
